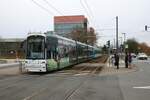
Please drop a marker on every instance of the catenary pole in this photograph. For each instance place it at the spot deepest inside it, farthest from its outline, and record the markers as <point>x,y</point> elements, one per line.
<point>117,34</point>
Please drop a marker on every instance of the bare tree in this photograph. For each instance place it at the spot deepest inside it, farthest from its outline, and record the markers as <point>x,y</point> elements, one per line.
<point>84,36</point>
<point>91,36</point>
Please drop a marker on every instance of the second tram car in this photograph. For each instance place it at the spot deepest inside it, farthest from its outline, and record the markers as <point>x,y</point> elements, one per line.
<point>47,52</point>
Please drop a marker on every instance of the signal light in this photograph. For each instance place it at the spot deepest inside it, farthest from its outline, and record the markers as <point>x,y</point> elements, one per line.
<point>146,27</point>
<point>108,43</point>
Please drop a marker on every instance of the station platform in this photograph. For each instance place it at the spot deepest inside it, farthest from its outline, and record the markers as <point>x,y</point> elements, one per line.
<point>110,68</point>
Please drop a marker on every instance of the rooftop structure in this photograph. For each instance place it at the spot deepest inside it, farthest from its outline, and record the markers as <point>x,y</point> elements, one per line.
<point>70,19</point>
<point>12,39</point>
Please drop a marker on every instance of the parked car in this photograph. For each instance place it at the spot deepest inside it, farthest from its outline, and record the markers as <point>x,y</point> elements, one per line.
<point>133,55</point>
<point>142,56</point>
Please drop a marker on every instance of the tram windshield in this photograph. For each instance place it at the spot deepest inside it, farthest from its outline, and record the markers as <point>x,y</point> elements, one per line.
<point>35,47</point>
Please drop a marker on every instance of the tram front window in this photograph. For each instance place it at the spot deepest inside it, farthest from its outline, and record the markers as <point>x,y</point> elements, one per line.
<point>35,48</point>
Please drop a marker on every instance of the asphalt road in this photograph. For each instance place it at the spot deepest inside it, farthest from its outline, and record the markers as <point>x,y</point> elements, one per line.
<point>67,86</point>
<point>136,85</point>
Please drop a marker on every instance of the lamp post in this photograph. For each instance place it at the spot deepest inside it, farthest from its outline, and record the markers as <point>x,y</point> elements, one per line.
<point>121,46</point>
<point>117,34</point>
<point>124,34</point>
<point>108,44</point>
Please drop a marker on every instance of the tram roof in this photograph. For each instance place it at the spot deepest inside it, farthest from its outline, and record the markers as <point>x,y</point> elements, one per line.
<point>36,33</point>
<point>64,38</point>
<point>60,37</point>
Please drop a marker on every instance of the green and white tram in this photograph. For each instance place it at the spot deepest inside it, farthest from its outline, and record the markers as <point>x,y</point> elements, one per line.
<point>47,52</point>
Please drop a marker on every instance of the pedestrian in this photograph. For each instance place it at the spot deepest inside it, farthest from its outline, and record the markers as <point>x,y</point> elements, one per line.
<point>113,60</point>
<point>126,60</point>
<point>117,60</point>
<point>130,60</point>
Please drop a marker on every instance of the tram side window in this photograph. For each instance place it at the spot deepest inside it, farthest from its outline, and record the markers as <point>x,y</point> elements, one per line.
<point>71,51</point>
<point>49,54</point>
<point>66,51</point>
<point>79,50</point>
<point>52,53</point>
<point>63,51</point>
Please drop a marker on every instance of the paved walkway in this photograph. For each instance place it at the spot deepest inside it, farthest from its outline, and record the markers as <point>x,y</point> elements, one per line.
<point>110,69</point>
<point>7,61</point>
<point>110,64</point>
<point>11,68</point>
<point>10,71</point>
<point>9,64</point>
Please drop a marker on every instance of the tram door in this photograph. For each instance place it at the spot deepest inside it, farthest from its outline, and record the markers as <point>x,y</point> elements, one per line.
<point>52,53</point>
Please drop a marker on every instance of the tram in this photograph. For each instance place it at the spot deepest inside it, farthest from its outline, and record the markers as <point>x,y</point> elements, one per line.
<point>47,52</point>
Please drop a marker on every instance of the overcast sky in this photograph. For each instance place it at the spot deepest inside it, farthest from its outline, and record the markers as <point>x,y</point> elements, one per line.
<point>18,17</point>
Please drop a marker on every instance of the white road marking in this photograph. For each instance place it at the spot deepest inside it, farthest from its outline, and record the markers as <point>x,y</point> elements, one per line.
<point>142,87</point>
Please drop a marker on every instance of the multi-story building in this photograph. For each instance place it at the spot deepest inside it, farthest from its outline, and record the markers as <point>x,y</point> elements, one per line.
<point>63,25</point>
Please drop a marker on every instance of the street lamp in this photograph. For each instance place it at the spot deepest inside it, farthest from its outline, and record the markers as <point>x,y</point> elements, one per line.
<point>124,34</point>
<point>117,34</point>
<point>121,47</point>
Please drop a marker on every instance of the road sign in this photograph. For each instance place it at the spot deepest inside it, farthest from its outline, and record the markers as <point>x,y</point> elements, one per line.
<point>126,46</point>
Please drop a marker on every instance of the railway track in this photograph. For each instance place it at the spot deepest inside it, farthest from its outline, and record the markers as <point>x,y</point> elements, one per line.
<point>90,67</point>
<point>48,84</point>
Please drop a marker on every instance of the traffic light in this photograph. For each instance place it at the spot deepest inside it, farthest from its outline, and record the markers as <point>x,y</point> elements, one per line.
<point>108,43</point>
<point>146,27</point>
